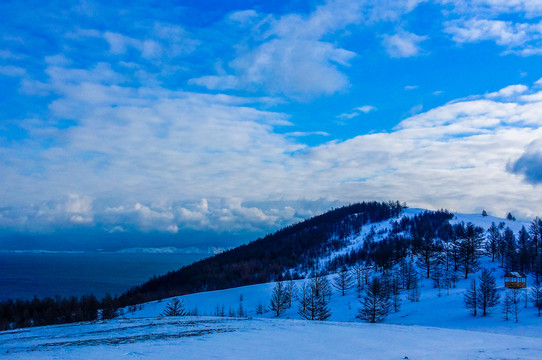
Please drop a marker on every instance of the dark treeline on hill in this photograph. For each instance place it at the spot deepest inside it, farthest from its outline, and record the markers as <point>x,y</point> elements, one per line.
<point>426,244</point>
<point>266,259</point>
<point>49,311</point>
<point>409,236</point>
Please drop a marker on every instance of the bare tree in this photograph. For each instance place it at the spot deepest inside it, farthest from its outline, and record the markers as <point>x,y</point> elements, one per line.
<point>343,281</point>
<point>361,276</point>
<point>506,305</point>
<point>394,288</point>
<point>279,299</point>
<point>516,303</point>
<point>292,292</point>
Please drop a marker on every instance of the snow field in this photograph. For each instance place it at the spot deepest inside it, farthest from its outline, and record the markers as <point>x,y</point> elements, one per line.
<point>225,338</point>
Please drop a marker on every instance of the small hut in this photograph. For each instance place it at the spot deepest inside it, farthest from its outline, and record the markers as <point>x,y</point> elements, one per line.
<point>515,280</point>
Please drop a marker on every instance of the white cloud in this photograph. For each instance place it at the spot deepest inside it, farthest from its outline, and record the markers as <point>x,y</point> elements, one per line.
<point>80,204</point>
<point>81,220</point>
<point>172,229</point>
<point>366,109</point>
<point>152,158</point>
<point>502,32</point>
<point>517,37</point>
<point>244,16</point>
<point>508,91</point>
<point>288,66</point>
<point>6,54</point>
<point>161,41</point>
<point>214,82</point>
<point>529,8</point>
<point>12,71</point>
<point>216,149</point>
<point>356,112</point>
<point>306,133</point>
<point>403,44</point>
<point>283,54</point>
<point>289,51</point>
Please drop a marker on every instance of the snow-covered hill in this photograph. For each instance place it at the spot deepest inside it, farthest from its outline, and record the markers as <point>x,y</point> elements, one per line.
<point>436,327</point>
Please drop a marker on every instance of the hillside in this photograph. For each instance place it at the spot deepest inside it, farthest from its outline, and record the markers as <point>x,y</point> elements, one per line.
<point>436,325</point>
<point>386,241</point>
<point>296,247</point>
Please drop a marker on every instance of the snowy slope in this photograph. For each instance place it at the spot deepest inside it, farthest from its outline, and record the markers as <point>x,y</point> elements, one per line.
<point>444,311</point>
<point>436,308</point>
<point>222,338</point>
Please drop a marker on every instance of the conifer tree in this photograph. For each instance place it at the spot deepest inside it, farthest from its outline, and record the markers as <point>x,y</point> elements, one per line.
<point>536,296</point>
<point>375,305</point>
<point>493,239</point>
<point>535,231</point>
<point>109,307</point>
<point>409,275</point>
<point>487,295</point>
<point>470,242</point>
<point>471,297</point>
<point>429,254</point>
<point>175,308</point>
<point>313,302</point>
<point>241,310</point>
<point>524,250</point>
<point>509,250</point>
<point>303,298</point>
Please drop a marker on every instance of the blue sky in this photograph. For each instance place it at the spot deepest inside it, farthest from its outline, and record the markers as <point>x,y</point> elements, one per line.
<point>249,115</point>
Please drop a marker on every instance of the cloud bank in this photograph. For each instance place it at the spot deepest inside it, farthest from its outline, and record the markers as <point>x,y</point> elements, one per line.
<point>152,125</point>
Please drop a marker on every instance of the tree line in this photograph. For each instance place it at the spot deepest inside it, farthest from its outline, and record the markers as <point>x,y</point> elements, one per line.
<point>58,310</point>
<point>263,260</point>
<point>266,259</point>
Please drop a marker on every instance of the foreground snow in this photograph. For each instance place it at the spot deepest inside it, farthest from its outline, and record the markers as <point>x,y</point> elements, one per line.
<point>225,338</point>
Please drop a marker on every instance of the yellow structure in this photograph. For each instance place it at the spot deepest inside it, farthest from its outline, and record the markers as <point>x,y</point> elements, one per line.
<point>515,280</point>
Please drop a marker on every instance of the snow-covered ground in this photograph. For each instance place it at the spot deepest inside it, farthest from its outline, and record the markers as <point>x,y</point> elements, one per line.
<point>436,327</point>
<point>224,338</point>
<point>435,308</point>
